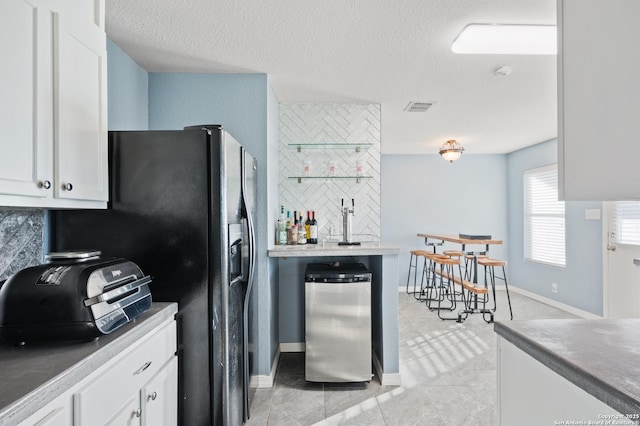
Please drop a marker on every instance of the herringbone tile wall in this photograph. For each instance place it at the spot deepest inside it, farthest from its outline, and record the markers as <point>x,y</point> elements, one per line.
<point>331,124</point>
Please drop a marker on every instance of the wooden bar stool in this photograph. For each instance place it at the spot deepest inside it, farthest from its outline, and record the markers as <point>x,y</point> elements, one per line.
<point>460,255</point>
<point>413,264</point>
<point>468,264</point>
<point>427,279</point>
<point>445,289</point>
<point>490,266</point>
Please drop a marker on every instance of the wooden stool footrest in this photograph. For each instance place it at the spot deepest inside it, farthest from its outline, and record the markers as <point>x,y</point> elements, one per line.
<point>468,285</point>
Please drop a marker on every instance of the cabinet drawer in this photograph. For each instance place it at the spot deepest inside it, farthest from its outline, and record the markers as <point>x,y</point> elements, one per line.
<point>96,402</point>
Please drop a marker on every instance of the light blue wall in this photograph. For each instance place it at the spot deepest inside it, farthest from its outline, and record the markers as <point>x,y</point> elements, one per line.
<point>271,329</point>
<point>425,194</point>
<point>241,103</point>
<point>580,282</point>
<point>128,88</point>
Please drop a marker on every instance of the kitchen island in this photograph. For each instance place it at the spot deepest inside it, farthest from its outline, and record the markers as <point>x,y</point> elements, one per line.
<point>36,374</point>
<point>569,370</point>
<point>382,261</point>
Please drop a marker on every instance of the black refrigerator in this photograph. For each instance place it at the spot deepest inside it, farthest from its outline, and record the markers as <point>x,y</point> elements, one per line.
<point>182,206</point>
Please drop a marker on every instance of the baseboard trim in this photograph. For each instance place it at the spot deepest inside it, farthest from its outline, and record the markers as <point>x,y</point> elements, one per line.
<point>386,379</point>
<point>567,308</point>
<point>262,381</point>
<point>292,347</point>
<point>554,303</point>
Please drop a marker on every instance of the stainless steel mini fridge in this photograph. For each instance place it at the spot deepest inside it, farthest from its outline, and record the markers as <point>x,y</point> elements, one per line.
<point>337,322</point>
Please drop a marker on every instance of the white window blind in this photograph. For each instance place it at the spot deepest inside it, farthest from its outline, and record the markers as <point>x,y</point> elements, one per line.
<point>544,217</point>
<point>625,222</point>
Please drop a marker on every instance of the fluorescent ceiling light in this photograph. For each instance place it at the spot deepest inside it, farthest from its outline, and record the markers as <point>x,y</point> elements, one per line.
<point>507,39</point>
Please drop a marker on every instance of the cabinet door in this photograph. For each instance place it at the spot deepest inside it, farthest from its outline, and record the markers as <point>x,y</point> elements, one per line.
<point>129,414</point>
<point>26,109</point>
<point>160,397</point>
<point>80,130</point>
<point>599,99</point>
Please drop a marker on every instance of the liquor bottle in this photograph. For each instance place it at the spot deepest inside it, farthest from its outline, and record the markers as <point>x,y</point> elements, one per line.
<point>313,229</point>
<point>292,230</point>
<point>307,225</point>
<point>302,235</point>
<point>282,228</point>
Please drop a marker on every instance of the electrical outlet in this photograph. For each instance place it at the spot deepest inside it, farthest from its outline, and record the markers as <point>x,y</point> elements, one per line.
<point>554,287</point>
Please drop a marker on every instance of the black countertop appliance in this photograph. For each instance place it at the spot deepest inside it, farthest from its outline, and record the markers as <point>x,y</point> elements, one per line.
<point>75,296</point>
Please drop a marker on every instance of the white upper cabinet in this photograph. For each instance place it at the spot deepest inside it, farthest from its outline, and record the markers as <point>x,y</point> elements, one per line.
<point>26,109</point>
<point>53,125</point>
<point>81,122</point>
<point>599,100</point>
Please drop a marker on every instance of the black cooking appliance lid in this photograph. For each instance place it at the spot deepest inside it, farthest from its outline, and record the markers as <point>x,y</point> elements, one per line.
<point>73,255</point>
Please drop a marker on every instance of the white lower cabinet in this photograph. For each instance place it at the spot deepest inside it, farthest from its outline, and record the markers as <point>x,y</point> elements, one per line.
<point>139,386</point>
<point>156,404</point>
<point>531,394</point>
<point>57,413</point>
<point>129,414</point>
<point>110,393</point>
<point>159,397</point>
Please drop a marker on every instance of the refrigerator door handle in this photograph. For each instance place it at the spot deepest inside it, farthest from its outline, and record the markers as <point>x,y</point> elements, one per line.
<point>251,272</point>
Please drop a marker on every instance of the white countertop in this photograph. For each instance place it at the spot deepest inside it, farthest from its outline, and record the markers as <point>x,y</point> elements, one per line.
<point>332,249</point>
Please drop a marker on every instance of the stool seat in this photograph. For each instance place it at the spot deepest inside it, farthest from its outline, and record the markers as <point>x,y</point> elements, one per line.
<point>446,261</point>
<point>491,262</point>
<point>429,255</point>
<point>480,256</point>
<point>453,253</point>
<point>419,252</point>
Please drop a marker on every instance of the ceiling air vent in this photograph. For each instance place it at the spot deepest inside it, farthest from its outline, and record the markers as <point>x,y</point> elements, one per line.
<point>418,106</point>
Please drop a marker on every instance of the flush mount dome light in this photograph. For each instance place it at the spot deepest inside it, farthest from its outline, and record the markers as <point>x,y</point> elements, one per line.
<point>507,39</point>
<point>451,150</point>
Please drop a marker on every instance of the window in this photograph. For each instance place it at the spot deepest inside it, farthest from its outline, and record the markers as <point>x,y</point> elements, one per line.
<point>544,231</point>
<point>625,222</point>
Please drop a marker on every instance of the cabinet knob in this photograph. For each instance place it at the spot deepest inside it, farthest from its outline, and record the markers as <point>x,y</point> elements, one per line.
<point>153,396</point>
<point>67,187</point>
<point>44,184</point>
<point>138,412</point>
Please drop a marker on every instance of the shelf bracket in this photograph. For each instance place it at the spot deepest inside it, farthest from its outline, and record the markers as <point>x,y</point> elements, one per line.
<point>299,148</point>
<point>299,180</point>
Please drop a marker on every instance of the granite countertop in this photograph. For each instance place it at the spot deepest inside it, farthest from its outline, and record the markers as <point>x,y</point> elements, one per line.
<point>600,356</point>
<point>35,374</point>
<point>332,249</point>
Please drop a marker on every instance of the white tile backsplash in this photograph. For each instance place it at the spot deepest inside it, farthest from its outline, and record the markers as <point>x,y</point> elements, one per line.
<point>331,124</point>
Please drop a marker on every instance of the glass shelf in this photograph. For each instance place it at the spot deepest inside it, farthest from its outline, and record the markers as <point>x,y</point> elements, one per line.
<point>358,179</point>
<point>355,146</point>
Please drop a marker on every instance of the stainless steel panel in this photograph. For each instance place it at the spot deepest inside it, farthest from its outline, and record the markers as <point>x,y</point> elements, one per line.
<point>250,307</point>
<point>338,332</point>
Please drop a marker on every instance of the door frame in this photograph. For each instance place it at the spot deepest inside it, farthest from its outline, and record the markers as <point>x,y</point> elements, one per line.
<point>606,205</point>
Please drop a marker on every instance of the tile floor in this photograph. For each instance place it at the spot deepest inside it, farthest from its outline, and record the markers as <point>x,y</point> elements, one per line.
<point>448,376</point>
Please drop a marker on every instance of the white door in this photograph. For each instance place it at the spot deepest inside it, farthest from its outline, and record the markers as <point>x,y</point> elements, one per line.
<point>622,294</point>
<point>159,397</point>
<point>26,110</point>
<point>81,119</point>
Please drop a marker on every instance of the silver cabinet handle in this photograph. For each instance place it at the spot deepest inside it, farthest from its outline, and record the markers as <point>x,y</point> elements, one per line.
<point>67,187</point>
<point>144,367</point>
<point>44,184</point>
<point>138,412</point>
<point>153,396</point>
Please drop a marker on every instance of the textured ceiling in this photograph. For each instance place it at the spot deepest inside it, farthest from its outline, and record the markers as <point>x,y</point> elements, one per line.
<point>389,52</point>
